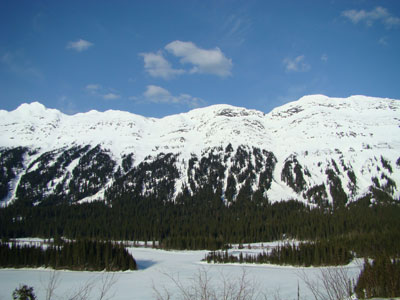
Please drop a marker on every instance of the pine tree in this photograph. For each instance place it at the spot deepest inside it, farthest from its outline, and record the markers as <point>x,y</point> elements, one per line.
<point>24,292</point>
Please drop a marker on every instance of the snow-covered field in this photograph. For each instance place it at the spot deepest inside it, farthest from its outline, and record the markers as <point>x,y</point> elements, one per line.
<point>154,265</point>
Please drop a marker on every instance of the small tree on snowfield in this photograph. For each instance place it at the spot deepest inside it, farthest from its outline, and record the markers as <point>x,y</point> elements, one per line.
<point>24,293</point>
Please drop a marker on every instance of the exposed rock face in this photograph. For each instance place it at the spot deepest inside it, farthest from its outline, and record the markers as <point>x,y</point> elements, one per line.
<point>317,149</point>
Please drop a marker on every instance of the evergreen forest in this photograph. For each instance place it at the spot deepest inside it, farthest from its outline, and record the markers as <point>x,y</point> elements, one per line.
<point>203,221</point>
<point>83,255</point>
<point>304,254</point>
<point>379,278</point>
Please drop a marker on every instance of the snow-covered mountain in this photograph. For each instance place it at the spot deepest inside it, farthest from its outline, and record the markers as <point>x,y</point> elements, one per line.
<point>317,149</point>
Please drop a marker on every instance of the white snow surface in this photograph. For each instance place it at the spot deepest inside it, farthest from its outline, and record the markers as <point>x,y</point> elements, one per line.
<point>154,264</point>
<point>356,131</point>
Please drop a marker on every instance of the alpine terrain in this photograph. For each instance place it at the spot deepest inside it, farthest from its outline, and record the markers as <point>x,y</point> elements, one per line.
<point>317,150</point>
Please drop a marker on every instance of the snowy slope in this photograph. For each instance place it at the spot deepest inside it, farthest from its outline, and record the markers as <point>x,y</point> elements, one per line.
<point>315,141</point>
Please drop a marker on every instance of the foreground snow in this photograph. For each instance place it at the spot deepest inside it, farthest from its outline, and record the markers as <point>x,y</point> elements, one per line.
<point>154,264</point>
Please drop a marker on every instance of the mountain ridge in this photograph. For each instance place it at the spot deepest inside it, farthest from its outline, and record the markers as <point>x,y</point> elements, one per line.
<point>304,140</point>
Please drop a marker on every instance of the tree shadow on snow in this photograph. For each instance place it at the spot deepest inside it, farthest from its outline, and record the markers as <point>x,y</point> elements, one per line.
<point>144,264</point>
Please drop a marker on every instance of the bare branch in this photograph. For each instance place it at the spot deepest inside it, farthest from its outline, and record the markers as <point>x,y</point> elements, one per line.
<point>203,287</point>
<point>51,284</point>
<point>83,292</point>
<point>332,283</point>
<point>108,280</point>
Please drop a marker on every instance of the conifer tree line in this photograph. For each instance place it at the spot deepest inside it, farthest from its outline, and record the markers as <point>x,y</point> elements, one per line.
<point>381,278</point>
<point>203,221</point>
<point>83,255</point>
<point>305,254</point>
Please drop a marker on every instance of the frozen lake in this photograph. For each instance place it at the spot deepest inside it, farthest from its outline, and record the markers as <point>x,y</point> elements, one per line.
<point>153,265</point>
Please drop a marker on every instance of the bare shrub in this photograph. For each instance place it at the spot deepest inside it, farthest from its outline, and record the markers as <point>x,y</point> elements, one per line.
<point>97,287</point>
<point>52,284</point>
<point>83,292</point>
<point>108,280</point>
<point>203,286</point>
<point>332,283</point>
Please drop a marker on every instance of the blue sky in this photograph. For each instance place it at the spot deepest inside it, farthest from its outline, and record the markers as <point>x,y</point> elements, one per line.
<point>157,58</point>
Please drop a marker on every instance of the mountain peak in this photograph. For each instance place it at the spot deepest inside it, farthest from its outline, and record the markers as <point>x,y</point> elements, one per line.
<point>29,112</point>
<point>313,97</point>
<point>298,144</point>
<point>31,107</point>
<point>225,110</point>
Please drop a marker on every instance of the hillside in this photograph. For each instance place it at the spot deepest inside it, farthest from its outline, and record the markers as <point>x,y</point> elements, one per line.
<point>317,150</point>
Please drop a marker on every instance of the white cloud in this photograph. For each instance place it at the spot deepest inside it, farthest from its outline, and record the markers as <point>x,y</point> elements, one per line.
<point>369,17</point>
<point>297,64</point>
<point>134,98</point>
<point>392,21</point>
<point>157,94</point>
<point>111,96</point>
<point>236,28</point>
<point>211,61</point>
<point>383,41</point>
<point>80,45</point>
<point>93,87</point>
<point>97,90</point>
<point>157,66</point>
<point>17,63</point>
